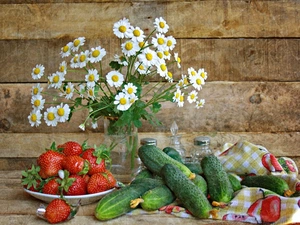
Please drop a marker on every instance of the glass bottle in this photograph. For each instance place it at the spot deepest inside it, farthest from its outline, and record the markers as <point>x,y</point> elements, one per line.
<point>201,148</point>
<point>148,141</point>
<point>175,141</point>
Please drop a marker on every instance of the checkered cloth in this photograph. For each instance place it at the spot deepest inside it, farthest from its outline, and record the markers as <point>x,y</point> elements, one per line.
<point>252,205</point>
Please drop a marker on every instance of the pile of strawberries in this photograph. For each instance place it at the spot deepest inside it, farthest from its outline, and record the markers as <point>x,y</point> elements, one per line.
<point>70,169</point>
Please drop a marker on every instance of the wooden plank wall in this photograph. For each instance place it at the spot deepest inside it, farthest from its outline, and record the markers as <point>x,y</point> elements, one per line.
<point>250,48</point>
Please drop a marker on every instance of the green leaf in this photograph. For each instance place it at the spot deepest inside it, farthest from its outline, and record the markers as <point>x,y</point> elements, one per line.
<point>115,65</point>
<point>156,107</point>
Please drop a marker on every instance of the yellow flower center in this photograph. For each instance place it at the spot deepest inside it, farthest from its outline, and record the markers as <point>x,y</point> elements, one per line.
<point>132,100</point>
<point>192,96</point>
<point>123,101</point>
<point>202,75</point>
<point>136,33</point>
<point>141,44</point>
<point>33,118</point>
<point>160,55</point>
<point>177,95</point>
<point>61,111</point>
<point>185,81</point>
<point>82,58</point>
<point>170,75</point>
<point>163,67</point>
<point>75,59</point>
<point>35,91</point>
<point>50,116</point>
<point>166,53</point>
<point>61,69</point>
<point>37,103</point>
<point>91,92</point>
<point>161,24</point>
<point>141,67</point>
<point>178,60</point>
<point>65,49</point>
<point>149,56</point>
<point>76,42</point>
<point>193,73</point>
<point>130,90</point>
<point>181,99</point>
<point>36,71</point>
<point>160,41</point>
<point>56,79</point>
<point>128,46</point>
<point>95,53</point>
<point>115,78</point>
<point>68,90</point>
<point>91,77</point>
<point>122,29</point>
<point>199,81</point>
<point>169,43</point>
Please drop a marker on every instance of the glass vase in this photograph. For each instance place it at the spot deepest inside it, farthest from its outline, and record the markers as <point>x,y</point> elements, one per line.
<point>123,142</point>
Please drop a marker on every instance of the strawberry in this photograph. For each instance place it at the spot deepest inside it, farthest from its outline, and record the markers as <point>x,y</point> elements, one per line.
<point>31,179</point>
<point>96,158</point>
<point>112,180</point>
<point>78,187</point>
<point>58,210</point>
<point>75,164</point>
<point>50,162</point>
<point>70,148</point>
<point>98,182</point>
<point>51,186</point>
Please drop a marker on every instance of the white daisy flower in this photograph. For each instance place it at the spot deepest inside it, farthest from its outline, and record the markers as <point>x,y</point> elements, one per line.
<point>92,77</point>
<point>178,60</point>
<point>169,77</point>
<point>202,73</point>
<point>183,82</point>
<point>38,72</point>
<point>177,94</point>
<point>68,91</point>
<point>141,68</point>
<point>37,102</point>
<point>81,90</point>
<point>91,92</point>
<point>66,50</point>
<point>192,73</point>
<point>180,101</point>
<point>83,58</point>
<point>197,82</point>
<point>160,54</point>
<point>56,80</point>
<point>35,118</point>
<point>167,55</point>
<point>193,96</point>
<point>129,48</point>
<point>138,34</point>
<point>200,104</point>
<point>170,42</point>
<point>36,89</point>
<point>162,68</point>
<point>132,98</point>
<point>142,44</point>
<point>129,89</point>
<point>50,116</point>
<point>94,124</point>
<point>122,29</point>
<point>148,57</point>
<point>63,67</point>
<point>62,112</point>
<point>97,54</point>
<point>159,42</point>
<point>122,101</point>
<point>77,43</point>
<point>161,25</point>
<point>121,60</point>
<point>115,78</point>
<point>75,61</point>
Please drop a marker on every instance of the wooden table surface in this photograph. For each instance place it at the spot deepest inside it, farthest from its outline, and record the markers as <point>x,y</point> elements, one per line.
<point>18,207</point>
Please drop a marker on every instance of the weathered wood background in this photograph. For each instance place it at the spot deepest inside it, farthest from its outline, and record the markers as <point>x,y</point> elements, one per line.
<point>250,48</point>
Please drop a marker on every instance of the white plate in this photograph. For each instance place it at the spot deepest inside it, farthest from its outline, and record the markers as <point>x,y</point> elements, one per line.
<point>84,199</point>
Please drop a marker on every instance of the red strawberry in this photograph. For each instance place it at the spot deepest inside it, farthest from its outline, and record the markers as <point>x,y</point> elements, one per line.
<point>75,165</point>
<point>57,211</point>
<point>97,164</point>
<point>70,148</point>
<point>50,163</point>
<point>78,187</point>
<point>98,182</point>
<point>112,180</point>
<point>51,187</point>
<point>31,179</point>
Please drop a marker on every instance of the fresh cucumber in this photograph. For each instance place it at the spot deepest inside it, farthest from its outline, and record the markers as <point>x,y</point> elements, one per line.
<point>173,153</point>
<point>186,191</point>
<point>154,159</point>
<point>235,181</point>
<point>195,167</point>
<point>117,203</point>
<point>144,173</point>
<point>201,183</point>
<point>219,186</point>
<point>270,182</point>
<point>154,198</point>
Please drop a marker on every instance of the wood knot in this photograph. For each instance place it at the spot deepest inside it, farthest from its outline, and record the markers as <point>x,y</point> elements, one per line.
<point>4,125</point>
<point>255,99</point>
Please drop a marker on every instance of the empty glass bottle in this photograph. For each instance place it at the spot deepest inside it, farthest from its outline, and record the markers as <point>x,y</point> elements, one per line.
<point>201,148</point>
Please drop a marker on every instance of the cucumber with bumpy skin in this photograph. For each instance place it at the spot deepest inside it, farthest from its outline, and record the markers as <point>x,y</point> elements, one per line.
<point>172,152</point>
<point>235,181</point>
<point>201,183</point>
<point>219,186</point>
<point>154,159</point>
<point>186,191</point>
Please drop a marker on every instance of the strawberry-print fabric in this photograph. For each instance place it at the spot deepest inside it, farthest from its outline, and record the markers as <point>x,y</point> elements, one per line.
<point>252,205</point>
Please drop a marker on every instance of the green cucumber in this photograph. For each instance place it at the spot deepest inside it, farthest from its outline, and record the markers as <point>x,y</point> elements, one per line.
<point>144,173</point>
<point>154,159</point>
<point>173,153</point>
<point>117,203</point>
<point>219,186</point>
<point>201,183</point>
<point>194,167</point>
<point>270,182</point>
<point>235,181</point>
<point>186,191</point>
<point>154,198</point>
